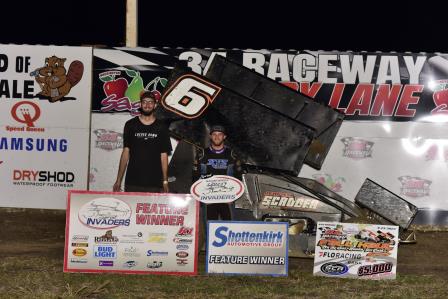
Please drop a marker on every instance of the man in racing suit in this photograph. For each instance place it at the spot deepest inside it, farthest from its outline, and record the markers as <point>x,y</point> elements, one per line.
<point>217,159</point>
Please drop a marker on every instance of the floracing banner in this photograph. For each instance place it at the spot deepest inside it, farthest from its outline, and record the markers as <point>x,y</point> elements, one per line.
<point>138,233</point>
<point>364,251</point>
<point>45,99</point>
<point>247,248</point>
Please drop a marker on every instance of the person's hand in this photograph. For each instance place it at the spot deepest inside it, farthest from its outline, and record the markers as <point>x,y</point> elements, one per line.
<point>117,187</point>
<point>166,188</point>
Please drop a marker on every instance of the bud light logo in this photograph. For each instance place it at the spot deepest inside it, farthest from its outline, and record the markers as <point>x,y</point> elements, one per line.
<point>105,213</point>
<point>414,186</point>
<point>108,252</point>
<point>356,148</point>
<point>334,268</point>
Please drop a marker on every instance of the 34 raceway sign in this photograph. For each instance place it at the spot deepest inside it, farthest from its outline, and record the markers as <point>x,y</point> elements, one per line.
<point>365,86</point>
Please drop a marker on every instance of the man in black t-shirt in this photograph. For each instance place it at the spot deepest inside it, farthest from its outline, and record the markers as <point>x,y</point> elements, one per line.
<point>218,159</point>
<point>146,145</point>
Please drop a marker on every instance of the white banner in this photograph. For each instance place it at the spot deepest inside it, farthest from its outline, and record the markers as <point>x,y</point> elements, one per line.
<point>410,167</point>
<point>131,233</point>
<point>45,99</point>
<point>247,248</point>
<point>364,251</point>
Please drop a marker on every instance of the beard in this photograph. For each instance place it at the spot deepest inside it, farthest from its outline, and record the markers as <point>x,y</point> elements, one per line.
<point>146,113</point>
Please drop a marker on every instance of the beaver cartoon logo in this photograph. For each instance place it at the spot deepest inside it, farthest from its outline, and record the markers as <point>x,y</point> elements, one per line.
<point>414,186</point>
<point>55,81</point>
<point>357,148</point>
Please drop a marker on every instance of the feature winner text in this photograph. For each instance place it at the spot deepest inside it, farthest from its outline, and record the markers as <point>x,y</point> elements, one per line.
<point>160,214</point>
<point>243,260</point>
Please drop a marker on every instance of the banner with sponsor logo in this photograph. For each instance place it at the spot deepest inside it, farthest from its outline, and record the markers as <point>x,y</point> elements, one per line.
<point>140,233</point>
<point>365,86</point>
<point>363,251</point>
<point>45,102</point>
<point>217,189</point>
<point>395,106</point>
<point>253,248</point>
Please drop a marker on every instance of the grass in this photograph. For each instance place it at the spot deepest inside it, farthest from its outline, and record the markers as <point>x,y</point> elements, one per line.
<point>40,277</point>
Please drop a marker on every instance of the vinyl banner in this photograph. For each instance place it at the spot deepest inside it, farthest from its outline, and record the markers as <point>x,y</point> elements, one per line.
<point>136,233</point>
<point>45,99</point>
<point>363,251</point>
<point>247,248</point>
<point>363,85</point>
<point>395,106</point>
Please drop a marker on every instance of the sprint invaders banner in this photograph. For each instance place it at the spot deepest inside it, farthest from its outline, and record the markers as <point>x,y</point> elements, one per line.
<point>247,248</point>
<point>131,233</point>
<point>352,250</point>
<point>45,99</point>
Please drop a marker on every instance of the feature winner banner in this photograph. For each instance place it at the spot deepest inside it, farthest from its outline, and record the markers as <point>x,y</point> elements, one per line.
<point>364,251</point>
<point>45,101</point>
<point>137,233</point>
<point>247,248</point>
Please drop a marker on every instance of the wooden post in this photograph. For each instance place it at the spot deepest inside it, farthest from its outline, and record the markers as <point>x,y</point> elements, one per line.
<point>131,23</point>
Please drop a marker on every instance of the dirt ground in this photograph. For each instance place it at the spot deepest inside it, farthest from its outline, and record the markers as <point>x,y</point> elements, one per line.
<point>31,232</point>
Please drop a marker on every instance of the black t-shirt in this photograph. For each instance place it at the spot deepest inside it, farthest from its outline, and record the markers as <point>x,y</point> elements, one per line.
<point>145,143</point>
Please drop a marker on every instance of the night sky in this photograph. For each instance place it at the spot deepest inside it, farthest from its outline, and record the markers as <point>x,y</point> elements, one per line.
<point>372,26</point>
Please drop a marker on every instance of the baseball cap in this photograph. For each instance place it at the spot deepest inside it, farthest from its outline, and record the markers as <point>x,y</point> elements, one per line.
<point>154,94</point>
<point>217,128</point>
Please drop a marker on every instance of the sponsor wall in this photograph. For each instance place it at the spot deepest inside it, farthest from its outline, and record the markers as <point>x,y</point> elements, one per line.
<point>131,233</point>
<point>396,107</point>
<point>352,250</point>
<point>45,99</point>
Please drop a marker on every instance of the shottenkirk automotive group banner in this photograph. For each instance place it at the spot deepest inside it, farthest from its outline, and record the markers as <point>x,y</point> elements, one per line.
<point>396,107</point>
<point>45,99</point>
<point>131,233</point>
<point>352,250</point>
<point>247,248</point>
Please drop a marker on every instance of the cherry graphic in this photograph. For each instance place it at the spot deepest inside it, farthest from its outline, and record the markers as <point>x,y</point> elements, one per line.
<point>116,87</point>
<point>440,98</point>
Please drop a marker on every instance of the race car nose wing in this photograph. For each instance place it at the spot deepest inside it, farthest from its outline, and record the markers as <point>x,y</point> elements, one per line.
<point>325,120</point>
<point>260,136</point>
<point>386,204</point>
